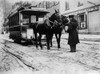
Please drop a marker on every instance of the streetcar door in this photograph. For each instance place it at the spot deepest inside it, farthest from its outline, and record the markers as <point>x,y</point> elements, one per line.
<point>26,31</point>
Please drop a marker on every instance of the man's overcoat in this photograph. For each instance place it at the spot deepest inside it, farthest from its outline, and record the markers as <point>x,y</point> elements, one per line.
<point>73,38</point>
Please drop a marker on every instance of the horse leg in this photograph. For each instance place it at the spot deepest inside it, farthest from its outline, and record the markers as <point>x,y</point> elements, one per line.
<point>59,40</point>
<point>36,39</point>
<point>51,36</point>
<point>40,41</point>
<point>56,38</point>
<point>51,42</point>
<point>48,41</point>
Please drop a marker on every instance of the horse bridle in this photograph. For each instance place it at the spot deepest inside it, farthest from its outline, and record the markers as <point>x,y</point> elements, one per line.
<point>51,22</point>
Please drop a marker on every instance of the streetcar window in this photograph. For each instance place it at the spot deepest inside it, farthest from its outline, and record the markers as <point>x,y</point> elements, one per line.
<point>40,19</point>
<point>33,19</point>
<point>25,20</point>
<point>25,16</point>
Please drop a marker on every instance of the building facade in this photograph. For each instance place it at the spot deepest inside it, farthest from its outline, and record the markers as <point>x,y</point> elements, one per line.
<point>86,12</point>
<point>50,6</point>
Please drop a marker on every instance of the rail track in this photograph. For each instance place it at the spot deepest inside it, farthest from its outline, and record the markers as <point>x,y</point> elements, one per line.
<point>10,48</point>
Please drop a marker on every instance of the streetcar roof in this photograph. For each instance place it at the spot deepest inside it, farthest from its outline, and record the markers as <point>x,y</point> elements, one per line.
<point>35,11</point>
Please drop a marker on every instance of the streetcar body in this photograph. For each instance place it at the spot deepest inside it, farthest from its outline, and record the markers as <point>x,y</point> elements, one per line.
<point>20,22</point>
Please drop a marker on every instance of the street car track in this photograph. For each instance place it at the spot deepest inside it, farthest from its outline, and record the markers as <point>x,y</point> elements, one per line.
<point>17,57</point>
<point>20,58</point>
<point>29,65</point>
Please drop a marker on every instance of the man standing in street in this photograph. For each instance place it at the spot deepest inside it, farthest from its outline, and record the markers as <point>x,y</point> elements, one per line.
<point>73,38</point>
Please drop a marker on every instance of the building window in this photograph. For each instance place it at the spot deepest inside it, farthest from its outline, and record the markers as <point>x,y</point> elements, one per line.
<point>82,20</point>
<point>66,6</point>
<point>44,4</point>
<point>50,4</point>
<point>39,4</point>
<point>80,4</point>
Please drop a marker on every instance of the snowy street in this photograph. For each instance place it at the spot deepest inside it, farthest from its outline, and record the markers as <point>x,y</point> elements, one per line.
<point>22,22</point>
<point>19,59</point>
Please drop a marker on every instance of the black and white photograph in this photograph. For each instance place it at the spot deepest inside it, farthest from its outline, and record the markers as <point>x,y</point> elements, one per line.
<point>49,36</point>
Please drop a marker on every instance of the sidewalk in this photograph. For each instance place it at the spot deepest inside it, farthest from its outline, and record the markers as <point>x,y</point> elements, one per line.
<point>85,37</point>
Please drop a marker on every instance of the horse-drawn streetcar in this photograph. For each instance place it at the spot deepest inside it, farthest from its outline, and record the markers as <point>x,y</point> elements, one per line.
<point>30,24</point>
<point>21,20</point>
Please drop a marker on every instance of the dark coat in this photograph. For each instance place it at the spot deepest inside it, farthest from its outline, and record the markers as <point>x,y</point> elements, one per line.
<point>73,38</point>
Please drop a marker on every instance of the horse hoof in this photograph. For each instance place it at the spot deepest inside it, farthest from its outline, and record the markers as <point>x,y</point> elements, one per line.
<point>59,47</point>
<point>37,48</point>
<point>41,48</point>
<point>48,48</point>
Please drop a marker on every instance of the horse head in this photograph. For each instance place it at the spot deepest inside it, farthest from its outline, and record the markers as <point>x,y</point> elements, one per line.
<point>65,20</point>
<point>55,19</point>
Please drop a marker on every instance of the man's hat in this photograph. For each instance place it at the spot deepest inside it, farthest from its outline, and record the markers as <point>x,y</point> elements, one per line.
<point>71,16</point>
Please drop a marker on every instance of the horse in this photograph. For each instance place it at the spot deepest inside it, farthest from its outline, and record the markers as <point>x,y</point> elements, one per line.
<point>42,29</point>
<point>53,25</point>
<point>58,23</point>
